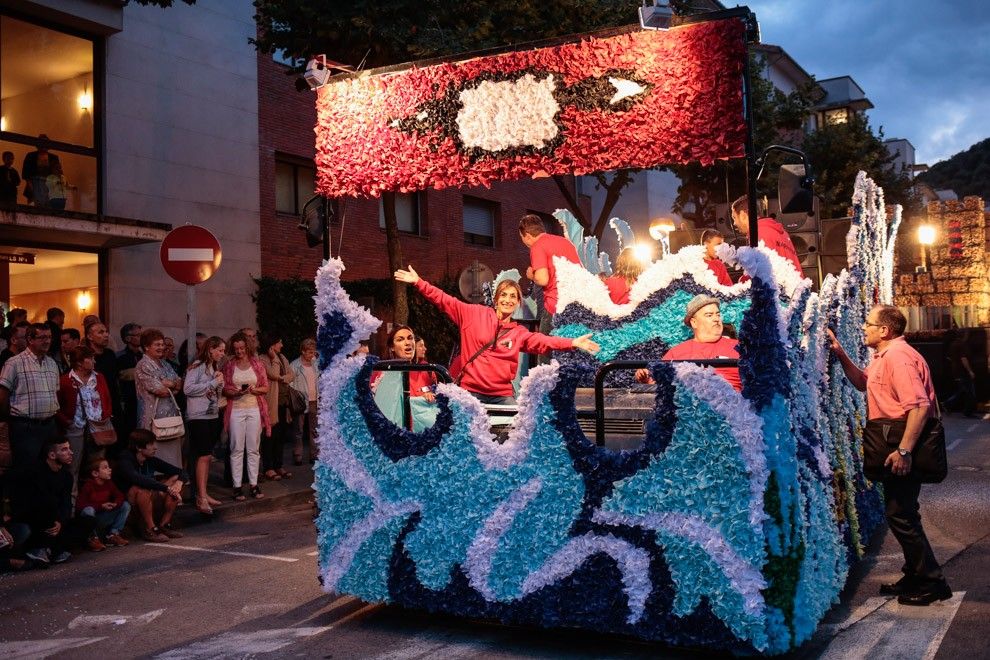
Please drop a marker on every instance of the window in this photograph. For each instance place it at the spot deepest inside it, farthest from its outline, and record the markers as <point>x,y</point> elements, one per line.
<point>479,221</point>
<point>295,184</point>
<point>406,212</point>
<point>47,108</point>
<point>37,279</point>
<point>839,116</point>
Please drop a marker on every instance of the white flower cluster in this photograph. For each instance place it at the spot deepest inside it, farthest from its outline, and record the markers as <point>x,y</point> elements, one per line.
<point>499,115</point>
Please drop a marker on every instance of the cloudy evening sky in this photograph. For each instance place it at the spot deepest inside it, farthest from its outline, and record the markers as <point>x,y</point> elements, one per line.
<point>925,65</point>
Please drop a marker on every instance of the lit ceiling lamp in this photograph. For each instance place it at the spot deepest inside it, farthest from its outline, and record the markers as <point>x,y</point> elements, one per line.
<point>85,101</point>
<point>657,16</point>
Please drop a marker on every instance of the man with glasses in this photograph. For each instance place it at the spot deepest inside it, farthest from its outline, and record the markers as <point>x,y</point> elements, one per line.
<point>898,385</point>
<point>28,387</point>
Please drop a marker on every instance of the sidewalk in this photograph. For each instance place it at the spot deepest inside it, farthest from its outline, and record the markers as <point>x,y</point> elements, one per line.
<point>278,495</point>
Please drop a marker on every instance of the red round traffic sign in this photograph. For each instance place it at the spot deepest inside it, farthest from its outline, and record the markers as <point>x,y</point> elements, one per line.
<point>190,254</point>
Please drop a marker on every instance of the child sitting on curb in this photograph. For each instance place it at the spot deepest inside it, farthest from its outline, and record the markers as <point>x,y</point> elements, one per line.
<point>100,498</point>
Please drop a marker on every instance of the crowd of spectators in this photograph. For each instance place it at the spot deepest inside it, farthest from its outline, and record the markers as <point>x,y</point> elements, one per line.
<point>96,445</point>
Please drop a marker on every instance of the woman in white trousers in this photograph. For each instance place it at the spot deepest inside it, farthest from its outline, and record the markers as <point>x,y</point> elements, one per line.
<point>245,386</point>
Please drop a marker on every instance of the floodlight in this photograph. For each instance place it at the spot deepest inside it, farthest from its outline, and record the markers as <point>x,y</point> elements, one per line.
<point>317,72</point>
<point>657,16</point>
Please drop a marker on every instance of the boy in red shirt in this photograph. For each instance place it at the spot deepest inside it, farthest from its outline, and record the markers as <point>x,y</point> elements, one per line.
<point>711,239</point>
<point>100,498</point>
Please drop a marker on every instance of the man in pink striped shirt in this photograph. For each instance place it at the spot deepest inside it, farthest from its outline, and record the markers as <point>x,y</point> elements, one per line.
<point>898,385</point>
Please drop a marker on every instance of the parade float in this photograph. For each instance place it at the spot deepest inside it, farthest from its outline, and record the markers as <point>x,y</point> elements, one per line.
<point>734,523</point>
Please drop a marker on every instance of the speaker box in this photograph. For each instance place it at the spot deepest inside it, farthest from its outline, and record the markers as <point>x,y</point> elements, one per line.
<point>806,246</point>
<point>833,264</point>
<point>684,237</point>
<point>834,236</point>
<point>800,221</point>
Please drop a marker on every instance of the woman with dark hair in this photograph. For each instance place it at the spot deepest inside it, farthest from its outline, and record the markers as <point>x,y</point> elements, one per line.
<point>83,397</point>
<point>156,383</point>
<point>246,415</point>
<point>490,340</point>
<point>204,388</point>
<point>392,388</point>
<point>280,374</point>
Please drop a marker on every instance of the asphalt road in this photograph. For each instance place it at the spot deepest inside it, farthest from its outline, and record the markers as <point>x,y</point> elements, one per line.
<point>247,588</point>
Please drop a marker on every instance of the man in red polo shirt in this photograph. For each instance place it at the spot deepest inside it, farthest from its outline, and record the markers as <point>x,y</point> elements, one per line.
<point>543,247</point>
<point>898,385</point>
<point>771,232</point>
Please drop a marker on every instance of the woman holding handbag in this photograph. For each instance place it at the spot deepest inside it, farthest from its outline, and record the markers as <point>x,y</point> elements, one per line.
<point>84,408</point>
<point>156,383</point>
<point>204,390</point>
<point>245,387</point>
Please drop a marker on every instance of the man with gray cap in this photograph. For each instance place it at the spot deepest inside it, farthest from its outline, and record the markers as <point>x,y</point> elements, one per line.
<point>705,320</point>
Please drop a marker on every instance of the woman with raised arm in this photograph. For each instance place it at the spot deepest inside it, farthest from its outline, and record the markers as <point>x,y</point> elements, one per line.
<point>490,340</point>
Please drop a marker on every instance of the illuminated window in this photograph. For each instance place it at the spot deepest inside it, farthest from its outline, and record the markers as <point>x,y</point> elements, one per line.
<point>47,89</point>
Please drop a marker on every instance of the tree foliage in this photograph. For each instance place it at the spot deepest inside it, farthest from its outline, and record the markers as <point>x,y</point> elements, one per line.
<point>838,151</point>
<point>966,173</point>
<point>164,4</point>
<point>384,33</point>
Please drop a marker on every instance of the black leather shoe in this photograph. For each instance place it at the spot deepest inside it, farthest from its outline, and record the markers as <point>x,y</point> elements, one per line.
<point>926,595</point>
<point>906,585</point>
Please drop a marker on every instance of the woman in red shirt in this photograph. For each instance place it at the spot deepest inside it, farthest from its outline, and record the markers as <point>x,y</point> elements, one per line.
<point>490,340</point>
<point>627,269</point>
<point>86,386</point>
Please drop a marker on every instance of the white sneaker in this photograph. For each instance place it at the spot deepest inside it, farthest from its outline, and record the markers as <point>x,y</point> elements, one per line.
<point>40,555</point>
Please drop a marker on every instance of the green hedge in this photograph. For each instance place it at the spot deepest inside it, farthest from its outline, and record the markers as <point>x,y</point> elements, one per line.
<point>286,307</point>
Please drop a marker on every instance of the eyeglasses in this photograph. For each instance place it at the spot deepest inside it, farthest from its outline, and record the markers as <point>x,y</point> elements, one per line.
<point>875,325</point>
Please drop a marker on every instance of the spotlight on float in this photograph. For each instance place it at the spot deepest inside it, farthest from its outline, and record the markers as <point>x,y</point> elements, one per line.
<point>656,16</point>
<point>317,72</point>
<point>660,231</point>
<point>319,69</point>
<point>643,253</point>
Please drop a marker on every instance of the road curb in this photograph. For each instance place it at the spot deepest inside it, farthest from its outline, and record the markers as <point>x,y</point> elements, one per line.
<point>188,516</point>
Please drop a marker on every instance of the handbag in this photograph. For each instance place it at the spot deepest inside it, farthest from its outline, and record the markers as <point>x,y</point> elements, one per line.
<point>929,463</point>
<point>101,433</point>
<point>498,335</point>
<point>297,401</point>
<point>167,428</point>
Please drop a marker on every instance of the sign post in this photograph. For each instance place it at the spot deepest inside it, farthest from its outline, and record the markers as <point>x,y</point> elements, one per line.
<point>190,255</point>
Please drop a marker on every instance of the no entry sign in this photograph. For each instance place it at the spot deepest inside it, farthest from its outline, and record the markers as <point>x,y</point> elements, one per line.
<point>190,254</point>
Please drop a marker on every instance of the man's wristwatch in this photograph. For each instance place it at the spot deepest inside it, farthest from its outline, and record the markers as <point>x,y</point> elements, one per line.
<point>903,452</point>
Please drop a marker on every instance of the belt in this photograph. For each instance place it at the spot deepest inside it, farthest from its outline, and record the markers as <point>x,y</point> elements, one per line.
<point>31,420</point>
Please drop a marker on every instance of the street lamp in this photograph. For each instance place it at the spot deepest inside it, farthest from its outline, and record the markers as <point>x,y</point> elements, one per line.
<point>926,238</point>
<point>660,231</point>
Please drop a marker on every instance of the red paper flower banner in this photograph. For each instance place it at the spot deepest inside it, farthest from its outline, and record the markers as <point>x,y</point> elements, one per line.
<point>635,100</point>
